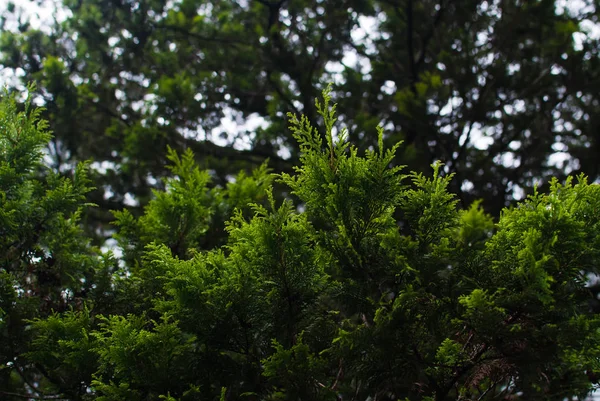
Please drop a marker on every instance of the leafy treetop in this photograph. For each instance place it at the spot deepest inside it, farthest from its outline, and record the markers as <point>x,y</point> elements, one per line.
<point>333,298</point>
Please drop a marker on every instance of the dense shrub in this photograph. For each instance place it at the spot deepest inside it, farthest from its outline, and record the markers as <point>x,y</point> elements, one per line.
<point>372,286</point>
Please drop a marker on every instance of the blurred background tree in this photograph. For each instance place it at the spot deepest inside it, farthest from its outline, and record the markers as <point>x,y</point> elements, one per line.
<point>504,92</point>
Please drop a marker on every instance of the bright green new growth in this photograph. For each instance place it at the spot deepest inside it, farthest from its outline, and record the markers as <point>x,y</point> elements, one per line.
<point>375,286</point>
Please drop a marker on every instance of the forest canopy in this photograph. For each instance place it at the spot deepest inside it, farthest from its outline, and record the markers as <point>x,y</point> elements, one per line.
<point>299,200</point>
<point>227,293</point>
<point>503,92</point>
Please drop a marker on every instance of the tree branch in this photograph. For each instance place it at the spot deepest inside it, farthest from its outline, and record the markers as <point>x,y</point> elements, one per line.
<point>319,51</point>
<point>32,397</point>
<point>409,45</point>
<point>281,93</point>
<point>429,35</point>
<point>178,29</point>
<point>207,148</point>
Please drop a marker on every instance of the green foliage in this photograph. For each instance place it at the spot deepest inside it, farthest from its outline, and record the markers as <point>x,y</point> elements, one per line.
<point>376,285</point>
<point>476,225</point>
<point>131,353</point>
<point>455,81</point>
<point>188,214</point>
<point>295,374</point>
<point>63,345</point>
<point>24,136</point>
<point>47,264</point>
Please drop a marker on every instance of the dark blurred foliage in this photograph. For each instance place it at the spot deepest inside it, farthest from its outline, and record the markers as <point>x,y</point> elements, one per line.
<point>493,89</point>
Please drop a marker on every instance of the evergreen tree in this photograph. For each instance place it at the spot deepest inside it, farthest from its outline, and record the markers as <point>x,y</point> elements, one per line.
<point>47,265</point>
<point>505,93</point>
<point>334,298</point>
